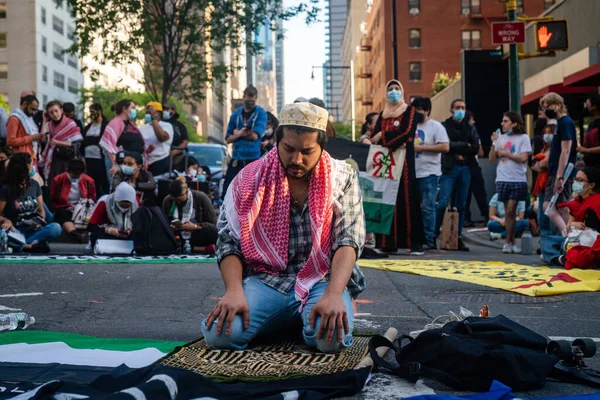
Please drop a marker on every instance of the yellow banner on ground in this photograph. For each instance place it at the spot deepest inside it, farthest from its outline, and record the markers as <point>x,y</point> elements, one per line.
<point>523,279</point>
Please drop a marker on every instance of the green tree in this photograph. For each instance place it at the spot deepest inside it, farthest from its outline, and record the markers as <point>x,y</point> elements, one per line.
<point>442,80</point>
<point>175,40</point>
<point>106,98</point>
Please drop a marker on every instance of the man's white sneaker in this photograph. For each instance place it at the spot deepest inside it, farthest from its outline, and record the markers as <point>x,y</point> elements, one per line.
<point>516,249</point>
<point>507,249</point>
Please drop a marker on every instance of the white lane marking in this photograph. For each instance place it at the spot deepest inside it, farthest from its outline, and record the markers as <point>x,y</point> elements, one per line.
<point>59,292</point>
<point>362,314</point>
<point>570,338</point>
<point>21,294</point>
<point>4,308</point>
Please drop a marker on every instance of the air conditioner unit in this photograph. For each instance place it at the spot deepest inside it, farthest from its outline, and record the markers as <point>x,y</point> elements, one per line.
<point>466,12</point>
<point>414,11</point>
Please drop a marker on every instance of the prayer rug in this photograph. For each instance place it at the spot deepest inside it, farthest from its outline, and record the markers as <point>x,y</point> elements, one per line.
<point>265,362</point>
<point>60,259</point>
<point>522,279</point>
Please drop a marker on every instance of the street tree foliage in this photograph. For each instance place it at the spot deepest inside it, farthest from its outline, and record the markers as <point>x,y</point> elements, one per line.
<point>179,43</point>
<point>442,80</point>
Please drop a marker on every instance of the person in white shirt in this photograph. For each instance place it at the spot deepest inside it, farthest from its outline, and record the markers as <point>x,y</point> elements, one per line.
<point>512,150</point>
<point>158,136</point>
<point>430,142</point>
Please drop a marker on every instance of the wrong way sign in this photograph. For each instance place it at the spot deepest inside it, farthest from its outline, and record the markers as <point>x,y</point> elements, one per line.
<point>508,32</point>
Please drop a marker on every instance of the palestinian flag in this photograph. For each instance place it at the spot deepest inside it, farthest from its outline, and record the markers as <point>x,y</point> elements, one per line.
<point>379,171</point>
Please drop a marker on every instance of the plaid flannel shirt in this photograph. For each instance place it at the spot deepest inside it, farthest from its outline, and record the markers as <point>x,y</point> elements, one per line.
<point>348,230</point>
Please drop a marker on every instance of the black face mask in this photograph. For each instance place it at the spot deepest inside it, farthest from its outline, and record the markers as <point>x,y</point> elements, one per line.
<point>250,105</point>
<point>551,114</point>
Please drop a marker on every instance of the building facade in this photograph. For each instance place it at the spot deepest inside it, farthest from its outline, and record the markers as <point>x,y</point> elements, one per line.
<point>337,11</point>
<point>33,35</point>
<point>279,71</point>
<point>429,36</point>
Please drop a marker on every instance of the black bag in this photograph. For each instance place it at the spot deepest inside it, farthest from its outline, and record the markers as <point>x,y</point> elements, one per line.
<point>152,234</point>
<point>470,354</point>
<point>65,153</point>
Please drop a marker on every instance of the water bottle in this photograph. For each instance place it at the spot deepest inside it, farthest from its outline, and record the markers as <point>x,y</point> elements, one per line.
<point>572,239</point>
<point>187,247</point>
<point>10,322</point>
<point>3,242</point>
<point>527,244</point>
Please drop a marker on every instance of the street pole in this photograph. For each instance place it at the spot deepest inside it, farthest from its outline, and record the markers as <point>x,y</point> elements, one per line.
<point>515,83</point>
<point>352,100</point>
<point>394,39</point>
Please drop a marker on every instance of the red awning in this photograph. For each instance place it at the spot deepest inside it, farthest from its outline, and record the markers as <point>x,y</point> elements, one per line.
<point>586,77</point>
<point>557,88</point>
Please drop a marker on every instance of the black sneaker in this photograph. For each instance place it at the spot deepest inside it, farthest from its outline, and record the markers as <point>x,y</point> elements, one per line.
<point>469,224</point>
<point>461,246</point>
<point>40,248</point>
<point>417,251</point>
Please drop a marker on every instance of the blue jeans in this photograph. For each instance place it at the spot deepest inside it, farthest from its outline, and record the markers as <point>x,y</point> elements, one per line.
<point>551,247</point>
<point>270,311</point>
<point>49,214</point>
<point>45,234</point>
<point>428,188</point>
<point>460,179</point>
<point>520,227</point>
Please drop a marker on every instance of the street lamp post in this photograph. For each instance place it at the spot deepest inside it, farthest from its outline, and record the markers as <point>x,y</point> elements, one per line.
<point>353,108</point>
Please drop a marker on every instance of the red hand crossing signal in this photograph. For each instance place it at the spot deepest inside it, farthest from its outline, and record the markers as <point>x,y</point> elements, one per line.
<point>552,35</point>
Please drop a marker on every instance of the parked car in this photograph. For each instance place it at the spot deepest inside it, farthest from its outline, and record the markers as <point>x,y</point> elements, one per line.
<point>216,158</point>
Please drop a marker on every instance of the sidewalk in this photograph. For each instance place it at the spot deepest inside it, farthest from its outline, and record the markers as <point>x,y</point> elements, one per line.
<point>481,237</point>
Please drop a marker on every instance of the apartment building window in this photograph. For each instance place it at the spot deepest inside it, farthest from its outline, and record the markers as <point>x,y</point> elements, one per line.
<point>43,16</point>
<point>414,7</point>
<point>414,71</point>
<point>72,61</point>
<point>58,53</point>
<point>549,3</point>
<point>3,70</point>
<point>58,25</point>
<point>73,86</point>
<point>44,45</point>
<point>45,100</point>
<point>44,74</point>
<point>520,7</point>
<point>2,9</point>
<point>471,7</point>
<point>471,39</point>
<point>414,38</point>
<point>3,42</point>
<point>71,33</point>
<point>59,80</point>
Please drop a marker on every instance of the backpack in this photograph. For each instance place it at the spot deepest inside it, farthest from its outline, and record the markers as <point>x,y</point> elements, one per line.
<point>82,213</point>
<point>471,354</point>
<point>152,235</point>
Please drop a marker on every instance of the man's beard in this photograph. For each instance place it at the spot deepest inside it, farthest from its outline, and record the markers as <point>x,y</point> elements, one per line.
<point>305,172</point>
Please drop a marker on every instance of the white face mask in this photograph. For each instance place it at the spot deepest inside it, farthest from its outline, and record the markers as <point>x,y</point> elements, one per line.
<point>268,131</point>
<point>193,173</point>
<point>548,137</point>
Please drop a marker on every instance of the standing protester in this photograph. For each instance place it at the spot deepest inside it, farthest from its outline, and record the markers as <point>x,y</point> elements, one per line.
<point>477,186</point>
<point>158,136</point>
<point>132,171</point>
<point>396,127</point>
<point>66,191</point>
<point>540,166</point>
<point>368,127</point>
<point>90,148</point>
<point>22,134</point>
<point>512,150</point>
<point>121,132</point>
<point>180,136</point>
<point>64,137</point>
<point>456,166</point>
<point>563,151</point>
<point>22,207</point>
<point>194,212</point>
<point>69,109</point>
<point>431,141</point>
<point>591,140</point>
<point>245,129</point>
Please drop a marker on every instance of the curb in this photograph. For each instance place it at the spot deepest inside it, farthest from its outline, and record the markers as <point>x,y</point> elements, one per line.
<point>479,242</point>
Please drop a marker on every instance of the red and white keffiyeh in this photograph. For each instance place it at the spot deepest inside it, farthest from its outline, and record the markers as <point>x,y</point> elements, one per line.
<point>65,131</point>
<point>257,206</point>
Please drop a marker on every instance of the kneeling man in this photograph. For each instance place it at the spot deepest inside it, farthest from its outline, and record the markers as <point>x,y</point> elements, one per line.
<point>290,232</point>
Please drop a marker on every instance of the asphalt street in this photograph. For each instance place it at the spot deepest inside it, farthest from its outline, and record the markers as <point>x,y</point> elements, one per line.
<point>168,301</point>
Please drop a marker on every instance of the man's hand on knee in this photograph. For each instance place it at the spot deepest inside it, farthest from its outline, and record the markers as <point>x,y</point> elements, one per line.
<point>333,314</point>
<point>227,308</point>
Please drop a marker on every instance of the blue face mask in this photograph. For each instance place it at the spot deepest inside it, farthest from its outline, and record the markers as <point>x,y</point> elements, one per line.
<point>32,172</point>
<point>148,118</point>
<point>133,113</point>
<point>459,115</point>
<point>394,96</point>
<point>166,115</point>
<point>577,187</point>
<point>126,170</point>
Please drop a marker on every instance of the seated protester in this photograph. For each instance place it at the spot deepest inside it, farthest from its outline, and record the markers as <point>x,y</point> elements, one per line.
<point>291,230</point>
<point>131,170</point>
<point>584,214</point>
<point>496,223</point>
<point>66,191</point>
<point>195,212</point>
<point>158,136</point>
<point>22,207</point>
<point>112,216</point>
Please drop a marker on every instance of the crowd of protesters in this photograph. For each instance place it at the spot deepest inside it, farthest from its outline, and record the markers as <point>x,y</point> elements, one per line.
<point>61,178</point>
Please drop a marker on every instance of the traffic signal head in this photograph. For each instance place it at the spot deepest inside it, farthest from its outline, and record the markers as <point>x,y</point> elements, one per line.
<point>552,35</point>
